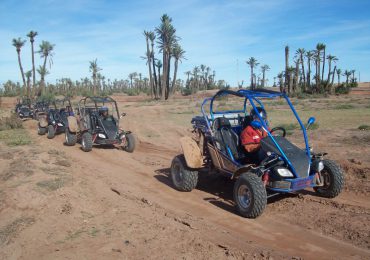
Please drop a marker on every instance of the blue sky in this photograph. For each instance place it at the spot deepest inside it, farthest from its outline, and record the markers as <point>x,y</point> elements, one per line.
<point>221,34</point>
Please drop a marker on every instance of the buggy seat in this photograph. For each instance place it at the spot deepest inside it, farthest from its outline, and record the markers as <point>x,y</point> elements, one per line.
<point>226,137</point>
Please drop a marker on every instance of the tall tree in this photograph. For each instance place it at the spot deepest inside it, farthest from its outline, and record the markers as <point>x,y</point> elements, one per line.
<point>28,75</point>
<point>319,48</point>
<point>309,56</point>
<point>339,73</point>
<point>159,66</point>
<point>149,62</point>
<point>32,36</point>
<point>286,69</point>
<point>46,51</point>
<point>252,62</point>
<point>301,54</point>
<point>18,44</point>
<point>323,48</point>
<point>348,74</point>
<point>264,68</point>
<point>152,38</point>
<point>353,75</point>
<point>166,39</point>
<point>94,69</point>
<point>178,55</point>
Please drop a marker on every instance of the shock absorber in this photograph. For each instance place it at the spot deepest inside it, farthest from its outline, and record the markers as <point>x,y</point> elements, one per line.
<point>265,178</point>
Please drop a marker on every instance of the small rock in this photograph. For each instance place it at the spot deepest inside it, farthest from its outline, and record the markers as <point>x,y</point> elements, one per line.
<point>127,242</point>
<point>144,200</point>
<point>116,250</point>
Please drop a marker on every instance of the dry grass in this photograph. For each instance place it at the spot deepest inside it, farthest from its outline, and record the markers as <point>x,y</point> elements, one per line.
<point>10,231</point>
<point>53,184</point>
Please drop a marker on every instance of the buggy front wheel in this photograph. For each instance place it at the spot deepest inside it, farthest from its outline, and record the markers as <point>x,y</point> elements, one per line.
<point>130,143</point>
<point>183,178</point>
<point>51,132</point>
<point>333,178</point>
<point>41,130</point>
<point>86,142</point>
<point>250,195</point>
<point>70,138</point>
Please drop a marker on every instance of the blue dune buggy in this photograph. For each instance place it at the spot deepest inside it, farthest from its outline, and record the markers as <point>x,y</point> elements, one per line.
<point>216,147</point>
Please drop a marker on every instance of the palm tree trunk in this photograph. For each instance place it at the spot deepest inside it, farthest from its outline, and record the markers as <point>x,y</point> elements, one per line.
<point>296,75</point>
<point>33,66</point>
<point>164,75</point>
<point>252,85</point>
<point>149,57</point>
<point>286,69</point>
<point>309,73</point>
<point>304,74</point>
<point>159,83</point>
<point>155,77</point>
<point>168,77</point>
<point>317,74</point>
<point>42,82</point>
<point>21,68</point>
<point>323,65</point>
<point>338,79</point>
<point>174,76</point>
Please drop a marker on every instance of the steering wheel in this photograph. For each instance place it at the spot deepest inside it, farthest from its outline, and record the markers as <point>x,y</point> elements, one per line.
<point>279,128</point>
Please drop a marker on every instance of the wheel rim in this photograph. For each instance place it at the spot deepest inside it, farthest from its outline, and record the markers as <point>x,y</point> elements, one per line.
<point>67,139</point>
<point>244,196</point>
<point>83,142</point>
<point>177,173</point>
<point>327,179</point>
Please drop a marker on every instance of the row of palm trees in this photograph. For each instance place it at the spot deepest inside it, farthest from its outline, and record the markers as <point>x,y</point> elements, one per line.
<point>312,78</point>
<point>308,74</point>
<point>200,78</point>
<point>167,44</point>
<point>46,53</point>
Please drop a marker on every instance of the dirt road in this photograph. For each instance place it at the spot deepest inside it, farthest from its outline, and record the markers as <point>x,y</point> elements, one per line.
<point>111,204</point>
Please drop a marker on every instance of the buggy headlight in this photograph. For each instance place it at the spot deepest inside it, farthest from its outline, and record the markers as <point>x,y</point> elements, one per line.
<point>283,172</point>
<point>320,167</point>
<point>21,114</point>
<point>101,135</point>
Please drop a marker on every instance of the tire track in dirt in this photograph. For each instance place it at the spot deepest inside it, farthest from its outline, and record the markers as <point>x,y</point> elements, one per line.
<point>115,167</point>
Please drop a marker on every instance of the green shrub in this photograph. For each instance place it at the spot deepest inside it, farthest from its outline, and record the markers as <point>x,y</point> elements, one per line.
<point>12,122</point>
<point>343,106</point>
<point>364,127</point>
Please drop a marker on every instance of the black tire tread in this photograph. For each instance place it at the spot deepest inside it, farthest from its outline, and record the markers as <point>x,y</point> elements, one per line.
<point>41,130</point>
<point>51,132</point>
<point>337,181</point>
<point>259,195</point>
<point>130,147</point>
<point>88,142</point>
<point>190,177</point>
<point>72,138</point>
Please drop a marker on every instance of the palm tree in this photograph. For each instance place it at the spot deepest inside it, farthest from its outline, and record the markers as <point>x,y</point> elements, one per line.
<point>323,48</point>
<point>301,53</point>
<point>18,44</point>
<point>28,75</point>
<point>290,72</point>
<point>286,68</point>
<point>264,68</point>
<point>330,59</point>
<point>339,73</point>
<point>94,69</point>
<point>309,56</point>
<point>178,55</point>
<point>159,66</point>
<point>152,38</point>
<point>319,48</point>
<point>166,40</point>
<point>46,50</point>
<point>281,81</point>
<point>149,58</point>
<point>32,36</point>
<point>347,73</point>
<point>353,75</point>
<point>252,62</point>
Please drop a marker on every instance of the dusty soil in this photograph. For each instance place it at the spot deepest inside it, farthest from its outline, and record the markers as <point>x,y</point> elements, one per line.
<point>59,202</point>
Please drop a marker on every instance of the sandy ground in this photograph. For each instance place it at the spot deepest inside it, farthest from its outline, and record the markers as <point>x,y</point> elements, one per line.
<point>57,202</point>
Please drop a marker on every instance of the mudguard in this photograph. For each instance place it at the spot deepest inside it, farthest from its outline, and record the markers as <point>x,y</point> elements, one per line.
<point>43,122</point>
<point>192,153</point>
<point>72,124</point>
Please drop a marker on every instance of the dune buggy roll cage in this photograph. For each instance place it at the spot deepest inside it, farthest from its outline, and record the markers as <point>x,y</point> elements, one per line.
<point>63,101</point>
<point>96,100</point>
<point>254,96</point>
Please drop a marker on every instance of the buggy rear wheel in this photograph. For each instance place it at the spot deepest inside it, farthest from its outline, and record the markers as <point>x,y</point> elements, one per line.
<point>333,178</point>
<point>41,130</point>
<point>130,143</point>
<point>71,138</point>
<point>86,142</point>
<point>51,132</point>
<point>250,195</point>
<point>183,178</point>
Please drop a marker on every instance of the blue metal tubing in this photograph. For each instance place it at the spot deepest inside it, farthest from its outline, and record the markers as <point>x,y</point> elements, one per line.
<point>272,138</point>
<point>228,112</point>
<point>205,115</point>
<point>303,129</point>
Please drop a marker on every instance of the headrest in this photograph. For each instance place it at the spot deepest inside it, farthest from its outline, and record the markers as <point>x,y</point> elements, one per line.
<point>221,122</point>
